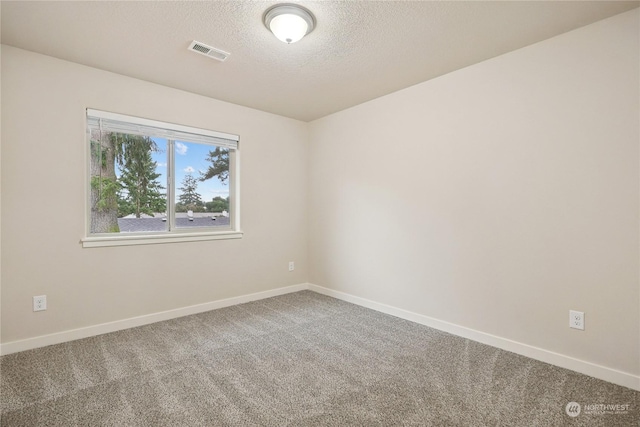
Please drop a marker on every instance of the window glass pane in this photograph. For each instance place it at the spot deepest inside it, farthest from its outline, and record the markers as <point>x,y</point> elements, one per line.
<point>128,183</point>
<point>202,185</point>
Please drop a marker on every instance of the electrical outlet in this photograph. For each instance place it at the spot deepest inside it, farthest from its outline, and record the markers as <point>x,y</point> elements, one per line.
<point>576,319</point>
<point>291,266</point>
<point>40,303</point>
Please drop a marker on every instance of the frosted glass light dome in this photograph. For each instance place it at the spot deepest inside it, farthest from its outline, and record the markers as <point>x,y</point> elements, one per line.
<point>288,22</point>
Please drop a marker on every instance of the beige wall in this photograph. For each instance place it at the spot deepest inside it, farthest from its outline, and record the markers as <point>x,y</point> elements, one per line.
<point>497,197</point>
<point>43,203</point>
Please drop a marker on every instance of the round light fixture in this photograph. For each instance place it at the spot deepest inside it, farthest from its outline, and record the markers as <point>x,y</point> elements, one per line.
<point>289,22</point>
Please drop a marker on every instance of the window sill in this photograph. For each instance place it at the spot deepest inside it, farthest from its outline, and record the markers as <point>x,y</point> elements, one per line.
<point>154,239</point>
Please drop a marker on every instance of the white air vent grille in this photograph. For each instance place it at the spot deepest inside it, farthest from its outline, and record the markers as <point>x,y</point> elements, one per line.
<point>209,51</point>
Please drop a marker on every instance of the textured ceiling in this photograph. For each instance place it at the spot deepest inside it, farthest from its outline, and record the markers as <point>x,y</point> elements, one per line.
<point>359,50</point>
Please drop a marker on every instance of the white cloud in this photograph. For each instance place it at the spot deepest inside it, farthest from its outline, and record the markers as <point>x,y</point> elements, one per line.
<point>161,165</point>
<point>181,148</point>
<point>188,169</point>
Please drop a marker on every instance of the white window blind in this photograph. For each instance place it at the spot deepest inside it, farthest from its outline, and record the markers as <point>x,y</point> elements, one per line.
<point>112,122</point>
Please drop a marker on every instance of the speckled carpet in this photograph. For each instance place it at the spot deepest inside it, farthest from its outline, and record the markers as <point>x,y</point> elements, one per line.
<point>300,359</point>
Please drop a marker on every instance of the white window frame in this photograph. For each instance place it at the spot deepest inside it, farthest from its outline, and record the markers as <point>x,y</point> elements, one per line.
<point>170,132</point>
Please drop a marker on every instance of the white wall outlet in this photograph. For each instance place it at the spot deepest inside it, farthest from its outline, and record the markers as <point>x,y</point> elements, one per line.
<point>291,266</point>
<point>40,303</point>
<point>576,319</point>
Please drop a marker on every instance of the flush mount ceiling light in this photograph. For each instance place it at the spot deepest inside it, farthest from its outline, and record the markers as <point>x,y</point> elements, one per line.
<point>289,22</point>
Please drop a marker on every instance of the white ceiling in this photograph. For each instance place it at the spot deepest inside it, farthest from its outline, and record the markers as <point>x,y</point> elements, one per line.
<point>359,50</point>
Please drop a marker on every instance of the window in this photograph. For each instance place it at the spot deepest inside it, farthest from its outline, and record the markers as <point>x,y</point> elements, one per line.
<point>154,182</point>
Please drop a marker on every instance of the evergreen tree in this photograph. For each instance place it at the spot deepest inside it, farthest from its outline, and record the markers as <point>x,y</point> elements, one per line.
<point>219,166</point>
<point>140,190</point>
<point>189,196</point>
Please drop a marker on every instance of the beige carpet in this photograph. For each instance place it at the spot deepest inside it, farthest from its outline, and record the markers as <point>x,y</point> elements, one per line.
<point>301,359</point>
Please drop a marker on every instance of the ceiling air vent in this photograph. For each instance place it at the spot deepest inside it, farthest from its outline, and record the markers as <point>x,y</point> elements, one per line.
<point>209,51</point>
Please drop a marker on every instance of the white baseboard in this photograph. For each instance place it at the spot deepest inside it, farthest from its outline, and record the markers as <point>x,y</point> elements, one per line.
<point>90,331</point>
<point>597,371</point>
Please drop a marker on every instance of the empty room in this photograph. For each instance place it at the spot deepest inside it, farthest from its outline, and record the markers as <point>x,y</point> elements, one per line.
<point>320,213</point>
